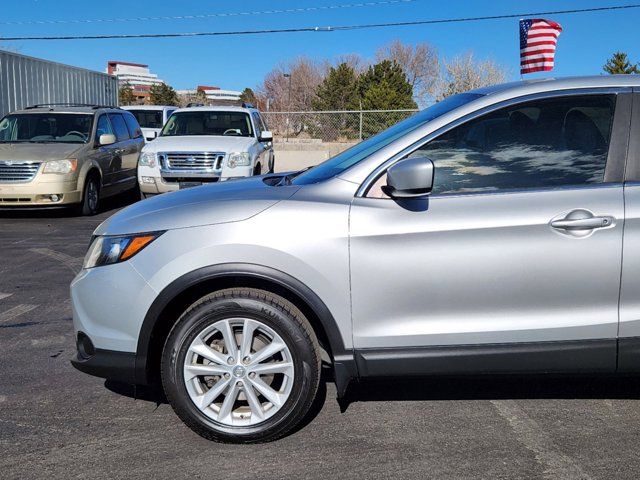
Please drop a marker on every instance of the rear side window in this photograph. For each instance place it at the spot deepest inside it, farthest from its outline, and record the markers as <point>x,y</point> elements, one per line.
<point>132,125</point>
<point>119,127</point>
<point>545,143</point>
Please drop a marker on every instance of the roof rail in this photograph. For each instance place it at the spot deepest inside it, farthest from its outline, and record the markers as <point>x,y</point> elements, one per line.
<point>247,105</point>
<point>195,104</point>
<point>92,105</point>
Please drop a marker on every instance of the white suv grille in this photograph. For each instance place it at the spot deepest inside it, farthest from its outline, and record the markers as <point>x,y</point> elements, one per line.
<point>190,161</point>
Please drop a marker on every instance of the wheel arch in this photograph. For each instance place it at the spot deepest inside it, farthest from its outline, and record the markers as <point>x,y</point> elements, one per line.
<point>184,291</point>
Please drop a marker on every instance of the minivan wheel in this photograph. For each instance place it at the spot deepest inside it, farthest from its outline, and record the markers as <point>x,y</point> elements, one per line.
<point>241,365</point>
<point>90,196</point>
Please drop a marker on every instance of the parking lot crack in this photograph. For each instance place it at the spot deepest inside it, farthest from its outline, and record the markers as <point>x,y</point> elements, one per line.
<point>556,464</point>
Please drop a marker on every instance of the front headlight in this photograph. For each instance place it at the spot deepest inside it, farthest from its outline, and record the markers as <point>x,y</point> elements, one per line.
<point>238,159</point>
<point>147,159</point>
<point>61,166</point>
<point>106,250</point>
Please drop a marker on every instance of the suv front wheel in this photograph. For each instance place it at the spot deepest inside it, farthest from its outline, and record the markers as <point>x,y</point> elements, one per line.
<point>242,366</point>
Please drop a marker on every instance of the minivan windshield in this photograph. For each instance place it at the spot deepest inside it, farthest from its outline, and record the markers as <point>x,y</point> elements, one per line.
<point>338,164</point>
<point>220,123</point>
<point>148,118</point>
<point>46,128</point>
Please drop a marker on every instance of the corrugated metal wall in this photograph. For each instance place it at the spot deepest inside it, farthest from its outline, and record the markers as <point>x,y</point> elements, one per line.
<point>27,81</point>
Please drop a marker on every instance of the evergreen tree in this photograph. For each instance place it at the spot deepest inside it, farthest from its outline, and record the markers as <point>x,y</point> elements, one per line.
<point>163,94</point>
<point>248,96</point>
<point>384,86</point>
<point>125,95</point>
<point>338,91</point>
<point>619,63</point>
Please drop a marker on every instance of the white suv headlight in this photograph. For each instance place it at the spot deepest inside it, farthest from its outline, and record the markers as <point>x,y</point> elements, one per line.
<point>147,159</point>
<point>61,166</point>
<point>238,159</point>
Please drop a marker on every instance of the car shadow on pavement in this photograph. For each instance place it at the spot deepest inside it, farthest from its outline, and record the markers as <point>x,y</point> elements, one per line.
<point>493,387</point>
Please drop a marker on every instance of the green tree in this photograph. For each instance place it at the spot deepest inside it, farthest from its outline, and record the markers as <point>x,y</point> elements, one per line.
<point>249,96</point>
<point>163,94</point>
<point>384,86</point>
<point>125,95</point>
<point>619,63</point>
<point>338,91</point>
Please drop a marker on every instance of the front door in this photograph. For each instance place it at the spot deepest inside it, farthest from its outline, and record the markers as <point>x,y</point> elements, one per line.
<point>519,243</point>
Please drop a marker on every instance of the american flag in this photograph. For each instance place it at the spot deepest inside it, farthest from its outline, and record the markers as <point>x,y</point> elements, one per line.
<point>538,39</point>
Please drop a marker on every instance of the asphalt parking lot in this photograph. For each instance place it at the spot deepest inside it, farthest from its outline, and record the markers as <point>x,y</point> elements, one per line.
<point>58,423</point>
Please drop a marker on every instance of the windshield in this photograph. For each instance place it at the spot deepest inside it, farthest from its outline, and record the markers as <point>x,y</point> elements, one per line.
<point>46,128</point>
<point>231,124</point>
<point>338,164</point>
<point>148,118</point>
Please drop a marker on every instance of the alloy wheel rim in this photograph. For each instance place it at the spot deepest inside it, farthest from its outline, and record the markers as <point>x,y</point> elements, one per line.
<point>92,195</point>
<point>238,372</point>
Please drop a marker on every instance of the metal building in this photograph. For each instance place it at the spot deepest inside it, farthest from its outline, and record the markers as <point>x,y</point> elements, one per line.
<point>27,81</point>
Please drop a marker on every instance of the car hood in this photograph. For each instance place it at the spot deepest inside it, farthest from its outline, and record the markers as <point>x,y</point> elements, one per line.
<point>224,202</point>
<point>38,151</point>
<point>200,143</point>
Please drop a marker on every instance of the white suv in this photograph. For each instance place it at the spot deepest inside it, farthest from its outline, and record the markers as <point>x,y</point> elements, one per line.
<point>203,145</point>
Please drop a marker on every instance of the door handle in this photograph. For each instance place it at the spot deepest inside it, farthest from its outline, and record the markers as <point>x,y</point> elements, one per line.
<point>582,220</point>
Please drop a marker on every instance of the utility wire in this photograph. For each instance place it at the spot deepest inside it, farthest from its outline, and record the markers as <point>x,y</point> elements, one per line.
<point>324,29</point>
<point>211,15</point>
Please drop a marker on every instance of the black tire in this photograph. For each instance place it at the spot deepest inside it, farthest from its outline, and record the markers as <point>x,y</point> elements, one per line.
<point>258,169</point>
<point>89,204</point>
<point>272,164</point>
<point>276,313</point>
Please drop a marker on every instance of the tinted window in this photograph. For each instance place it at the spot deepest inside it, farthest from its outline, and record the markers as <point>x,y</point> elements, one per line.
<point>148,118</point>
<point>119,126</point>
<point>338,164</point>
<point>46,128</point>
<point>256,123</point>
<point>546,143</point>
<point>103,127</point>
<point>132,125</point>
<point>203,122</point>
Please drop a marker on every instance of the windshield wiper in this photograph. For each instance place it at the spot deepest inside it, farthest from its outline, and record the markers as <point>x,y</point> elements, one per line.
<point>286,179</point>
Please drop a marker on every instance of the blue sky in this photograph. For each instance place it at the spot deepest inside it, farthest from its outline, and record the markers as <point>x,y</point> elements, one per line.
<point>235,62</point>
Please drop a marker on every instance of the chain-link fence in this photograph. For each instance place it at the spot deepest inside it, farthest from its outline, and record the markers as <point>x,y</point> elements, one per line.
<point>333,126</point>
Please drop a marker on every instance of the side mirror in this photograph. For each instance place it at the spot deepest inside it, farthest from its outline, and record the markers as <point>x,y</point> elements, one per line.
<point>266,136</point>
<point>409,178</point>
<point>151,135</point>
<point>107,139</point>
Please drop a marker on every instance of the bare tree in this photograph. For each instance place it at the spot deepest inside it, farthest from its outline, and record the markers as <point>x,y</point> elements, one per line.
<point>305,76</point>
<point>464,73</point>
<point>419,62</point>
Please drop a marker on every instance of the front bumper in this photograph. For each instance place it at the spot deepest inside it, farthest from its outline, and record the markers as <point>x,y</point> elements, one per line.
<point>151,180</point>
<point>109,364</point>
<point>38,193</point>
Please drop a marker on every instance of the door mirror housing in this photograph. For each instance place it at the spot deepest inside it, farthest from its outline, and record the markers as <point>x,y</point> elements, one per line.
<point>151,135</point>
<point>266,136</point>
<point>410,178</point>
<point>107,139</point>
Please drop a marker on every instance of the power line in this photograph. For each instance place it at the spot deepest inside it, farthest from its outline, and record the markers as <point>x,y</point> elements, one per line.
<point>322,29</point>
<point>211,15</point>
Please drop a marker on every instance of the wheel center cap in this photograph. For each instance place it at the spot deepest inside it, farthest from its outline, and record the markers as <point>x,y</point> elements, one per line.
<point>238,371</point>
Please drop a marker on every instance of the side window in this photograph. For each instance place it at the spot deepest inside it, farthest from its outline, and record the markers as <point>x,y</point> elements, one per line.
<point>119,126</point>
<point>263,124</point>
<point>544,143</point>
<point>168,114</point>
<point>132,125</point>
<point>103,127</point>
<point>258,124</point>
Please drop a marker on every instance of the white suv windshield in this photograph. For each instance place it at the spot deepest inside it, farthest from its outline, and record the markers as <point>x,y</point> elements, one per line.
<point>46,128</point>
<point>338,164</point>
<point>236,124</point>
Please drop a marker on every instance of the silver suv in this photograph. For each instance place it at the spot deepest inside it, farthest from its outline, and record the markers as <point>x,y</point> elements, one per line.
<point>482,235</point>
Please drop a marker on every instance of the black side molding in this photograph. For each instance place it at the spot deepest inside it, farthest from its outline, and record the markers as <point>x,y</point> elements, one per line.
<point>539,357</point>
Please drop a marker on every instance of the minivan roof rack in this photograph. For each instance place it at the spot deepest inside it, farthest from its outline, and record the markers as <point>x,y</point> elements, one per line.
<point>92,105</point>
<point>194,104</point>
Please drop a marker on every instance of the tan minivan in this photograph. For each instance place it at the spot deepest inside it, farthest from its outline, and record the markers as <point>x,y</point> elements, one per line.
<point>67,155</point>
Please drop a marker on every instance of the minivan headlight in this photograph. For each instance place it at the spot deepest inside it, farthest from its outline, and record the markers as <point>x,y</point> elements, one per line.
<point>147,159</point>
<point>61,166</point>
<point>238,159</point>
<point>106,250</point>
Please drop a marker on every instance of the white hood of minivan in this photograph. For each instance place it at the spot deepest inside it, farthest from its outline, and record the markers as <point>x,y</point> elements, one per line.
<point>200,143</point>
